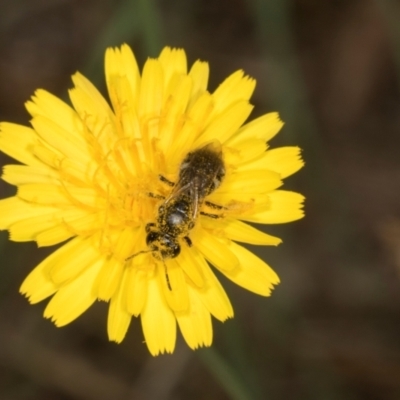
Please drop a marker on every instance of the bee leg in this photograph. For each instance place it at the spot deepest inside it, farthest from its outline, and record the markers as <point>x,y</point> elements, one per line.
<point>214,206</point>
<point>165,180</point>
<point>149,227</point>
<point>156,196</point>
<point>214,216</point>
<point>188,241</point>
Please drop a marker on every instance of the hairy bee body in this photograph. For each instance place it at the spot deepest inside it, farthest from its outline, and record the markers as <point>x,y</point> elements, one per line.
<point>200,173</point>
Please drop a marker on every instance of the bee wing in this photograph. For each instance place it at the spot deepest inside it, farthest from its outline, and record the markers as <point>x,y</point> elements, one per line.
<point>190,190</point>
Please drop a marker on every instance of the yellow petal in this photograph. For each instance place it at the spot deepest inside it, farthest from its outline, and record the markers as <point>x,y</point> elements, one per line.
<point>151,91</point>
<point>158,321</point>
<point>52,108</point>
<point>253,181</point>
<point>215,250</point>
<point>49,157</point>
<point>75,298</point>
<point>136,290</point>
<point>235,88</point>
<point>37,286</point>
<point>21,174</point>
<point>58,138</point>
<point>264,127</point>
<point>199,74</point>
<point>284,207</point>
<point>172,280</point>
<point>121,63</point>
<point>14,209</point>
<point>195,324</point>
<point>99,122</point>
<point>190,267</point>
<point>118,317</point>
<point>172,121</point>
<point>253,274</point>
<point>17,141</point>
<point>238,201</point>
<point>67,223</point>
<point>57,195</point>
<point>79,255</point>
<point>174,64</point>
<point>28,228</point>
<point>226,123</point>
<point>212,294</point>
<point>125,242</point>
<point>244,151</point>
<point>129,67</point>
<point>283,160</point>
<point>54,235</point>
<point>197,118</point>
<point>109,278</point>
<point>239,231</point>
<point>96,99</point>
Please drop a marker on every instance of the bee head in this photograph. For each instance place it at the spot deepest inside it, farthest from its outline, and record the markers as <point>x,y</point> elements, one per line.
<point>163,245</point>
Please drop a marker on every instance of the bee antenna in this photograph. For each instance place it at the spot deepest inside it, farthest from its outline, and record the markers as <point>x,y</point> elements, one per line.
<point>165,266</point>
<point>136,254</point>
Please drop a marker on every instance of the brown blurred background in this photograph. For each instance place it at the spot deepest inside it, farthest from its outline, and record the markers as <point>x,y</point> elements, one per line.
<point>331,330</point>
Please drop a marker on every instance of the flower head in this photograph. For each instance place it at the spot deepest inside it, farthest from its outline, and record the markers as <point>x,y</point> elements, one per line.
<point>105,178</point>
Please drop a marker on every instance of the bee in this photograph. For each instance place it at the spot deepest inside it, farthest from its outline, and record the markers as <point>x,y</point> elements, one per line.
<point>200,173</point>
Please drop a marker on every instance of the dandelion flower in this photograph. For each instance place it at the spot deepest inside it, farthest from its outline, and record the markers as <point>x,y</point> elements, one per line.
<point>95,174</point>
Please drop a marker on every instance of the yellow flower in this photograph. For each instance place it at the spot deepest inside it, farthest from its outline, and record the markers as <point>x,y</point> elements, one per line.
<point>96,175</point>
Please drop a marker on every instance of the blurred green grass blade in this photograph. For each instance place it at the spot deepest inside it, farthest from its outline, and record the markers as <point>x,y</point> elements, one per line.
<point>123,25</point>
<point>227,376</point>
<point>150,23</point>
<point>390,10</point>
<point>131,19</point>
<point>288,90</point>
<point>239,353</point>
